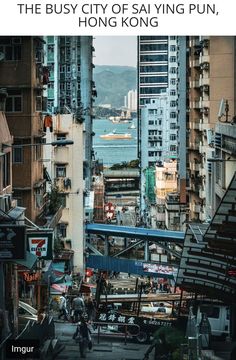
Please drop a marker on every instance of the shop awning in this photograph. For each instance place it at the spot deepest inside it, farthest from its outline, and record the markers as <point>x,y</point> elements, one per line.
<point>5,136</point>
<point>29,261</point>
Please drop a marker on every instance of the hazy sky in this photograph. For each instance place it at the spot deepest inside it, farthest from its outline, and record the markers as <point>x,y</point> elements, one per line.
<point>115,50</point>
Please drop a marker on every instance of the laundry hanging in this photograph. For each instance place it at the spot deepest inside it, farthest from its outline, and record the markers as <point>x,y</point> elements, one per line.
<point>48,123</point>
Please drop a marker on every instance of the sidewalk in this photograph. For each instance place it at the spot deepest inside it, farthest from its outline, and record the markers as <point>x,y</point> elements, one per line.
<point>107,349</point>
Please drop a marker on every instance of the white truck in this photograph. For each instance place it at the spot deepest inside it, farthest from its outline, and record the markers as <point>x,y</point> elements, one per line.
<point>218,316</point>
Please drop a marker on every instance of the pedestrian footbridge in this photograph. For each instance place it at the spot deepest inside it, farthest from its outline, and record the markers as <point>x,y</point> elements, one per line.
<point>170,241</point>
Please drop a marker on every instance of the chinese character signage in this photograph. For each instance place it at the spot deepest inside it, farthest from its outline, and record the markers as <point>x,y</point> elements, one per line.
<point>132,320</point>
<point>12,242</point>
<point>40,243</point>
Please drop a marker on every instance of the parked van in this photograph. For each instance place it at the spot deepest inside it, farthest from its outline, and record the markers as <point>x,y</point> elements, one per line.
<point>218,316</point>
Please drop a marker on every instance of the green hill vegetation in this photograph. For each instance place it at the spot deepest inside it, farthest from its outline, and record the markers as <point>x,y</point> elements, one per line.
<point>113,83</point>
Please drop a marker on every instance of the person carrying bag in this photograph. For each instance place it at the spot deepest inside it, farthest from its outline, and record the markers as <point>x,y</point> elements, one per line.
<point>82,335</point>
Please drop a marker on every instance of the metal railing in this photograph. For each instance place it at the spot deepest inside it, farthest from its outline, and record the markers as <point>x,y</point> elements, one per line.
<point>124,333</point>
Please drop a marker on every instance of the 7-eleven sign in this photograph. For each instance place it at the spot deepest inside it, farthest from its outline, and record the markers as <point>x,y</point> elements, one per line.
<point>38,246</point>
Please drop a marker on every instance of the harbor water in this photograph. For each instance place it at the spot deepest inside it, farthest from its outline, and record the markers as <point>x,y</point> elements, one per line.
<point>114,151</point>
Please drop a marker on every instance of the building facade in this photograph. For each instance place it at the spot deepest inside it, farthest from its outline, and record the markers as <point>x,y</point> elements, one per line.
<point>22,75</point>
<point>162,105</point>
<point>71,87</point>
<point>211,79</point>
<point>65,168</point>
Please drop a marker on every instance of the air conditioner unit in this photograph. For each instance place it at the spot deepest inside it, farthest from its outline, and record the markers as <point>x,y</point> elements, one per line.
<point>210,138</point>
<point>14,203</point>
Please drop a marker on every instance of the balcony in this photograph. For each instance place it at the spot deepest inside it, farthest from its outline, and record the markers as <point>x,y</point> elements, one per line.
<point>53,220</point>
<point>196,208</point>
<point>195,84</point>
<point>194,145</point>
<point>196,104</point>
<point>205,66</point>
<point>204,80</point>
<point>194,166</point>
<point>194,125</point>
<point>195,63</point>
<point>202,193</point>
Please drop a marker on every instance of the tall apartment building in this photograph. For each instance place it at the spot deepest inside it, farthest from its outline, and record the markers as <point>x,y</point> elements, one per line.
<point>71,87</point>
<point>162,103</point>
<point>22,75</point>
<point>65,167</point>
<point>131,100</point>
<point>70,97</point>
<point>212,77</point>
<point>5,159</point>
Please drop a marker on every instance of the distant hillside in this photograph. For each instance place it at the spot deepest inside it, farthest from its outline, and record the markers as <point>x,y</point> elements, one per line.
<point>113,83</point>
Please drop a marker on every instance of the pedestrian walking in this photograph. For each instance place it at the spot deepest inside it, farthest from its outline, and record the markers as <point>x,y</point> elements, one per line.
<point>82,335</point>
<point>91,311</point>
<point>62,307</point>
<point>78,307</point>
<point>162,349</point>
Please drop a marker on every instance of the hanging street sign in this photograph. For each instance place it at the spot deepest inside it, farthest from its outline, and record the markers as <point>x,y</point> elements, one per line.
<point>12,242</point>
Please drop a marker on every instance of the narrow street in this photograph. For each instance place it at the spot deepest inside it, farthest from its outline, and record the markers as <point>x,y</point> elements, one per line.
<point>107,348</point>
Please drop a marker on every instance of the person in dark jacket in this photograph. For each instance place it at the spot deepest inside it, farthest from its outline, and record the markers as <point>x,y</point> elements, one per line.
<point>83,335</point>
<point>162,349</point>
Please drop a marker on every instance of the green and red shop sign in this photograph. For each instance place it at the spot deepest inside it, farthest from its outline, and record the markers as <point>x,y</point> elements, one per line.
<point>40,243</point>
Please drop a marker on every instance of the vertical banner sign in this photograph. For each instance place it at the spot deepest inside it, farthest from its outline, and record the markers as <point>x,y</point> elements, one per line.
<point>40,243</point>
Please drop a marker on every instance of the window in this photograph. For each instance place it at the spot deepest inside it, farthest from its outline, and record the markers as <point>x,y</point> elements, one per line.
<point>173,70</point>
<point>157,38</point>
<point>210,311</point>
<point>62,227</point>
<point>38,103</point>
<point>151,90</point>
<point>14,101</point>
<point>152,111</point>
<point>153,79</point>
<point>153,58</point>
<point>17,154</point>
<point>173,115</point>
<point>6,169</point>
<point>61,136</point>
<point>172,92</point>
<point>61,171</point>
<point>62,68</point>
<point>173,126</point>
<point>154,68</point>
<point>173,59</point>
<point>172,148</point>
<point>172,47</point>
<point>152,132</point>
<point>172,137</point>
<point>11,48</point>
<point>153,47</point>
<point>173,81</point>
<point>38,152</point>
<point>172,103</point>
